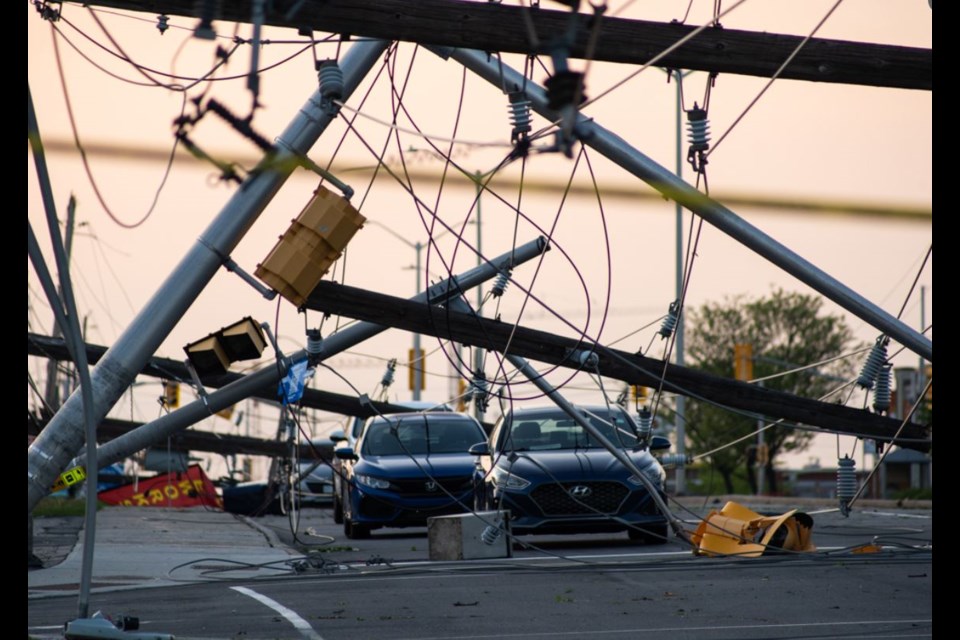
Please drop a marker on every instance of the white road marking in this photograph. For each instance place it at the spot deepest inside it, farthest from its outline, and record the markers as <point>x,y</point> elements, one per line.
<point>299,623</point>
<point>899,515</point>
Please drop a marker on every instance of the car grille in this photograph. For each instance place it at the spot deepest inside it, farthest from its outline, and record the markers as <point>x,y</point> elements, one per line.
<point>371,507</point>
<point>418,487</point>
<point>555,499</point>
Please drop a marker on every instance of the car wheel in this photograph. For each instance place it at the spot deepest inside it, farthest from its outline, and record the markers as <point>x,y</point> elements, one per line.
<point>649,534</point>
<point>355,531</point>
<point>337,510</point>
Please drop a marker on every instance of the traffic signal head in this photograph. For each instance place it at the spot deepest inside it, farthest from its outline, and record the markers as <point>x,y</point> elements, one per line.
<point>736,530</point>
<point>171,394</point>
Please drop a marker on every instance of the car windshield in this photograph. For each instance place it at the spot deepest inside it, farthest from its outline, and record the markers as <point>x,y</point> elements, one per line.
<point>417,435</point>
<point>534,431</point>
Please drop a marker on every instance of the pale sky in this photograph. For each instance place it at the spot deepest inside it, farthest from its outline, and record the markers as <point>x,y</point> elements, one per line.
<point>801,141</point>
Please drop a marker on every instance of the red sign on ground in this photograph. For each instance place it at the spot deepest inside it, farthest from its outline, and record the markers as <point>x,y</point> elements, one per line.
<point>191,488</point>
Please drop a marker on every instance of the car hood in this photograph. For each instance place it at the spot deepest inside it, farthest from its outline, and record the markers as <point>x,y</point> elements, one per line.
<point>570,465</point>
<point>417,466</point>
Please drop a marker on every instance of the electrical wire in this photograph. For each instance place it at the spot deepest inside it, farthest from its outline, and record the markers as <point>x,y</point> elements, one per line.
<point>83,153</point>
<point>627,362</point>
<point>425,136</point>
<point>914,285</point>
<point>906,420</point>
<point>153,82</point>
<point>653,61</point>
<point>810,366</point>
<point>518,207</point>
<point>490,175</point>
<point>147,20</point>
<point>40,396</point>
<point>775,75</point>
<point>193,80</point>
<point>466,243</point>
<point>98,244</point>
<point>903,348</point>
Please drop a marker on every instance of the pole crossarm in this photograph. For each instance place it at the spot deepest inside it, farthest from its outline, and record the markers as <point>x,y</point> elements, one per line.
<point>497,27</point>
<point>447,324</point>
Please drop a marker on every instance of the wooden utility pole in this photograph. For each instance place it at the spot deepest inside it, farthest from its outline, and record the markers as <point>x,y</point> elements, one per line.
<point>447,324</point>
<point>168,368</point>
<point>496,27</point>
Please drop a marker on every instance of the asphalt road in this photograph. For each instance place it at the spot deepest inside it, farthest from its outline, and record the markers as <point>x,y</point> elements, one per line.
<point>596,586</point>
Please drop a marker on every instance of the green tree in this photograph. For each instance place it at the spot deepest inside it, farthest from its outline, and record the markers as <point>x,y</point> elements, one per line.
<point>786,330</point>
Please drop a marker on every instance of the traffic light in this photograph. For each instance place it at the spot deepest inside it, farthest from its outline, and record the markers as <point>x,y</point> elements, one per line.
<point>212,355</point>
<point>763,453</point>
<point>738,531</point>
<point>171,394</point>
<point>743,362</point>
<point>312,243</point>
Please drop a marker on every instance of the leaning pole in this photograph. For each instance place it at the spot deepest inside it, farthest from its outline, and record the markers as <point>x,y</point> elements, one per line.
<point>63,436</point>
<point>610,145</point>
<point>267,377</point>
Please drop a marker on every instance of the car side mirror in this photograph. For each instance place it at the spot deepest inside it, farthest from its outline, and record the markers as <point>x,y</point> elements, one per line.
<point>338,435</point>
<point>660,443</point>
<point>345,453</point>
<point>479,449</point>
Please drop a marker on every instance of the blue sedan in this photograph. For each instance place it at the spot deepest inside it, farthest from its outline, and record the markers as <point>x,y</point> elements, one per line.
<point>406,468</point>
<point>554,477</point>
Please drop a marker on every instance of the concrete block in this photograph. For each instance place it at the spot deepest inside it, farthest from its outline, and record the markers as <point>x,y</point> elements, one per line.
<point>459,537</point>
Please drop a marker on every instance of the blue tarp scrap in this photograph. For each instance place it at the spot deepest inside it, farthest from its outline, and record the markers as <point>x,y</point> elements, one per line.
<point>292,385</point>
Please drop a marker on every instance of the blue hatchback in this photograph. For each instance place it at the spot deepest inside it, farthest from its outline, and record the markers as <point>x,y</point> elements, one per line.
<point>554,477</point>
<point>406,468</point>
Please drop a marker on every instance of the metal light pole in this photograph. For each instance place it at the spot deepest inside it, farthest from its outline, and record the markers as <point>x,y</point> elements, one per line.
<point>65,313</point>
<point>63,436</point>
<point>761,458</point>
<point>418,369</point>
<point>680,471</point>
<point>478,352</point>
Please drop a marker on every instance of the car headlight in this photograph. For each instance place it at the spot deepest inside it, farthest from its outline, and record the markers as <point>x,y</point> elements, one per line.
<point>503,479</point>
<point>372,482</point>
<point>654,473</point>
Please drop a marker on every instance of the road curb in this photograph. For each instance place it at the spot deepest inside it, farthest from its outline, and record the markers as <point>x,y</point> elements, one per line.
<point>272,539</point>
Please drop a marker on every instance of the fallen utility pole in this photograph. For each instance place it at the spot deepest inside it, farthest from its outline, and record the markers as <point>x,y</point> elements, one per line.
<point>616,149</point>
<point>49,454</point>
<point>170,369</point>
<point>631,368</point>
<point>165,426</point>
<point>210,442</point>
<point>492,26</point>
